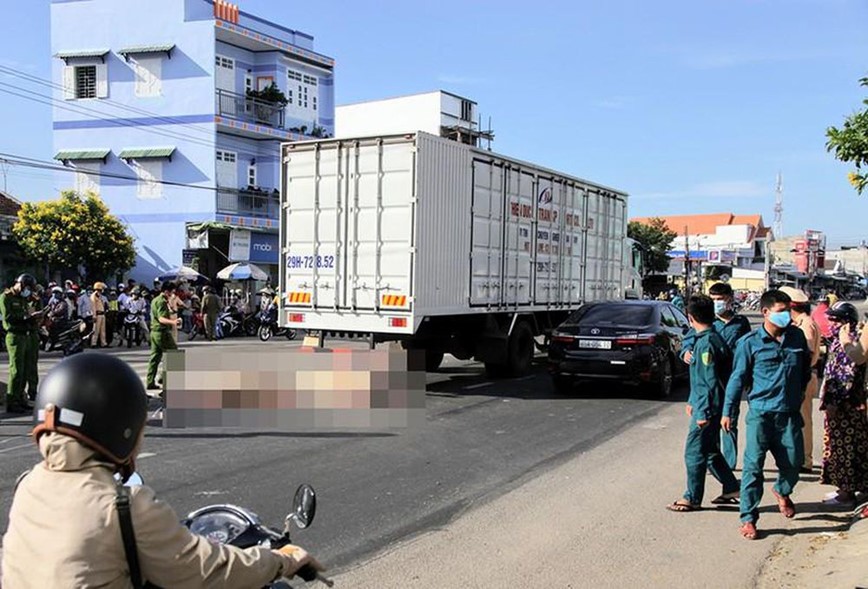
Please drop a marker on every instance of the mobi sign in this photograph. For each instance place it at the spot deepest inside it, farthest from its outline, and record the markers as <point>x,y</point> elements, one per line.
<point>264,248</point>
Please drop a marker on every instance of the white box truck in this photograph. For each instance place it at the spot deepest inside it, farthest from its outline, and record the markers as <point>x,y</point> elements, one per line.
<point>444,246</point>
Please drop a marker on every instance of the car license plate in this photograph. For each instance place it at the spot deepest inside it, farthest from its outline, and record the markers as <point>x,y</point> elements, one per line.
<point>595,344</point>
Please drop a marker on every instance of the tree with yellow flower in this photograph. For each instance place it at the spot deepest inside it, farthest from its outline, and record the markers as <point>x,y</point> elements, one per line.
<point>75,231</point>
<point>850,144</point>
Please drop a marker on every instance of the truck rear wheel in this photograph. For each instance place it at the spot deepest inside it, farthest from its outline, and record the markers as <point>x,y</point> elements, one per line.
<point>521,349</point>
<point>519,354</point>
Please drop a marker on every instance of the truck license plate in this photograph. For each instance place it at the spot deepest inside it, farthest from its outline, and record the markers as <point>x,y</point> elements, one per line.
<point>595,344</point>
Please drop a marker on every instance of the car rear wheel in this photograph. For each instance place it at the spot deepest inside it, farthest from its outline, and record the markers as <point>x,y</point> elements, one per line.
<point>662,387</point>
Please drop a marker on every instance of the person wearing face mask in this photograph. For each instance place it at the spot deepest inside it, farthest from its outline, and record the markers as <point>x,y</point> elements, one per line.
<point>845,440</point>
<point>17,322</point>
<point>774,364</point>
<point>800,311</point>
<point>731,327</point>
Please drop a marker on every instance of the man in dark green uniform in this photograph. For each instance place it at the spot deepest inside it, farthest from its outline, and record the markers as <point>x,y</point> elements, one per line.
<point>161,332</point>
<point>731,327</point>
<point>36,311</point>
<point>709,372</point>
<point>16,322</point>
<point>774,364</point>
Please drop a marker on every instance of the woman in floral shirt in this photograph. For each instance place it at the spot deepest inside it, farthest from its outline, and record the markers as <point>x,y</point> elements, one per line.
<point>845,452</point>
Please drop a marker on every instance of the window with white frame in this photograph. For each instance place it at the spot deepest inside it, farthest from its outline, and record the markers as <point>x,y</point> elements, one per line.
<point>251,176</point>
<point>227,169</point>
<point>150,173</point>
<point>86,81</point>
<point>148,72</point>
<point>87,177</point>
<point>302,90</point>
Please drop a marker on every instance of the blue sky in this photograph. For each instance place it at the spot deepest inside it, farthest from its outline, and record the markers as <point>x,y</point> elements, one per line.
<point>691,107</point>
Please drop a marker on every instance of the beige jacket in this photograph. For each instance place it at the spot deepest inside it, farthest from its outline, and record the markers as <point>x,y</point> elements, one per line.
<point>64,532</point>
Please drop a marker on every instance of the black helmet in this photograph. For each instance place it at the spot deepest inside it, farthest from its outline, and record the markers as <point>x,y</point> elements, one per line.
<point>26,280</point>
<point>96,399</point>
<point>843,312</point>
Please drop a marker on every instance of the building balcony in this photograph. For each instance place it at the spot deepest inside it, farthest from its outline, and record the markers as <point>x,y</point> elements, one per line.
<point>254,203</point>
<point>249,110</point>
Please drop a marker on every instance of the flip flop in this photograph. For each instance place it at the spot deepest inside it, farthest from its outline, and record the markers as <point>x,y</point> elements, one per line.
<point>785,505</point>
<point>748,531</point>
<point>835,501</point>
<point>727,499</point>
<point>683,507</point>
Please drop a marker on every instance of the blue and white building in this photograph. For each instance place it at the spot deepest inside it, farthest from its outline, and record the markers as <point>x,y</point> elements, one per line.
<point>152,111</point>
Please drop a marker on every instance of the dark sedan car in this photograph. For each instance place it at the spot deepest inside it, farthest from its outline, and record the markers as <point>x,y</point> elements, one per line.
<point>634,342</point>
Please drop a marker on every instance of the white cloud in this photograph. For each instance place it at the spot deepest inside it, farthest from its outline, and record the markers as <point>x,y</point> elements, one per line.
<point>721,189</point>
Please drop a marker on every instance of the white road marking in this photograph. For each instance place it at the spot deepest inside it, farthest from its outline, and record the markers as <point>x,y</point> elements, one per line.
<point>146,455</point>
<point>11,448</point>
<point>478,386</point>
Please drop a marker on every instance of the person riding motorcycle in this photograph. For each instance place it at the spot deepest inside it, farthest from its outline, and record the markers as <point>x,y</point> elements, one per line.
<point>65,523</point>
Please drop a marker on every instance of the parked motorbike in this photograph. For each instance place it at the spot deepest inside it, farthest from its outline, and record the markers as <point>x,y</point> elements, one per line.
<point>268,325</point>
<point>197,326</point>
<point>230,323</point>
<point>237,526</point>
<point>133,328</point>
<point>63,335</point>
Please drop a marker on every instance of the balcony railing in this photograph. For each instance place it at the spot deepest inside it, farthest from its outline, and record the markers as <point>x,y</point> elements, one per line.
<point>250,110</point>
<point>247,202</point>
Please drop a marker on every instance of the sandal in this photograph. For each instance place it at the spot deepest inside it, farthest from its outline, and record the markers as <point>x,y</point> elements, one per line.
<point>785,505</point>
<point>681,507</point>
<point>748,531</point>
<point>727,499</point>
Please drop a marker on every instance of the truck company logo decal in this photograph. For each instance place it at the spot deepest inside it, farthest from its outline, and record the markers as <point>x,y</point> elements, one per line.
<point>299,297</point>
<point>394,300</point>
<point>545,196</point>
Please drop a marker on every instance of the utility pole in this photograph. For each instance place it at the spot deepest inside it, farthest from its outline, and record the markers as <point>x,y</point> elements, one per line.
<point>779,207</point>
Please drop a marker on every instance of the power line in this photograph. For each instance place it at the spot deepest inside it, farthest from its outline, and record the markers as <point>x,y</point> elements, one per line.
<point>121,106</point>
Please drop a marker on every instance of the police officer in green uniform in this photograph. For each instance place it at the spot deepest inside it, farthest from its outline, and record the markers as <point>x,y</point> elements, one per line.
<point>774,364</point>
<point>731,327</point>
<point>709,373</point>
<point>37,313</point>
<point>161,332</point>
<point>16,322</point>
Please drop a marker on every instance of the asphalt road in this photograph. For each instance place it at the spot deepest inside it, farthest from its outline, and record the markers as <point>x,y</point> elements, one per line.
<point>481,438</point>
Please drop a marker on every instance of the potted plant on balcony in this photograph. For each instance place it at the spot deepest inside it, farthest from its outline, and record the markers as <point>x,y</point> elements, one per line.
<point>267,101</point>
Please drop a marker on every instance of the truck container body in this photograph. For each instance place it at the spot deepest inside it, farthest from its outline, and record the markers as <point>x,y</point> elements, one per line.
<point>440,244</point>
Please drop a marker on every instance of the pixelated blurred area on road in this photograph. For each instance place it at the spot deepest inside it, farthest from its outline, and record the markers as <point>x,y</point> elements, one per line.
<point>292,389</point>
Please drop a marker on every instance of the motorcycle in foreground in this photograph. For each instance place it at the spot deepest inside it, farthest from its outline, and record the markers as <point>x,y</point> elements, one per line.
<point>133,328</point>
<point>63,335</point>
<point>237,526</point>
<point>230,323</point>
<point>268,325</point>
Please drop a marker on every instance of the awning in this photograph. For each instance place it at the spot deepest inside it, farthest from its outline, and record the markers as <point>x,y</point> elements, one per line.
<point>143,49</point>
<point>141,153</point>
<point>82,154</point>
<point>82,54</point>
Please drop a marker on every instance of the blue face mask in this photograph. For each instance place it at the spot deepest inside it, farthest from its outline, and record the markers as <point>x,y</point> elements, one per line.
<point>720,307</point>
<point>25,293</point>
<point>781,318</point>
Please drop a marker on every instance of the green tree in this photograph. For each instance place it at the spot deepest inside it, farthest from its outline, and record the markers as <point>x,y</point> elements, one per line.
<point>850,144</point>
<point>656,240</point>
<point>75,231</point>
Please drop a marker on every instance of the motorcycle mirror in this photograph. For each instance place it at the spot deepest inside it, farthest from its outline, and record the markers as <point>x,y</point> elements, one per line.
<point>135,480</point>
<point>303,506</point>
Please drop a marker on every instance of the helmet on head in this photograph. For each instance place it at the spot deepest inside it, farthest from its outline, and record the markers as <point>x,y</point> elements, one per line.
<point>70,294</point>
<point>26,280</point>
<point>121,286</point>
<point>57,290</point>
<point>99,286</point>
<point>843,312</point>
<point>98,400</point>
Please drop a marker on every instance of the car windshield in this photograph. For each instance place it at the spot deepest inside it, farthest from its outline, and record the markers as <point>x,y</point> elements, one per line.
<point>614,315</point>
